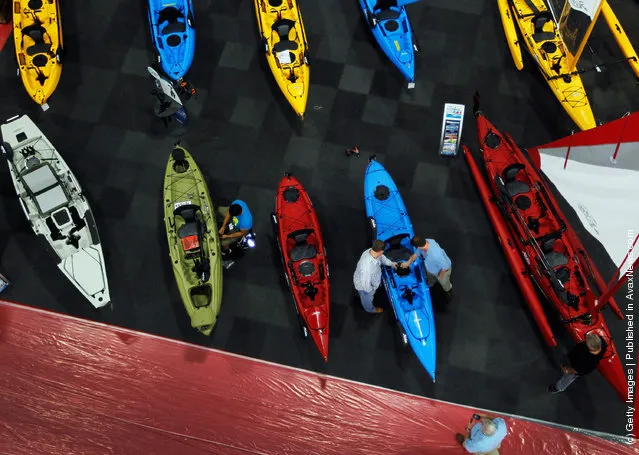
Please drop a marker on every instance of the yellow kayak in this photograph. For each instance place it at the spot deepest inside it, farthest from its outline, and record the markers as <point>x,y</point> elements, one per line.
<point>37,32</point>
<point>284,40</point>
<point>542,38</point>
<point>620,36</point>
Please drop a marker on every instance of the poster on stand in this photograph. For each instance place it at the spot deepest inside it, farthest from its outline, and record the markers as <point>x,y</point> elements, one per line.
<point>452,124</point>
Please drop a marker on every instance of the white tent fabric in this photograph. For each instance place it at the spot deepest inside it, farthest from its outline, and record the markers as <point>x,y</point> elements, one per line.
<point>604,192</point>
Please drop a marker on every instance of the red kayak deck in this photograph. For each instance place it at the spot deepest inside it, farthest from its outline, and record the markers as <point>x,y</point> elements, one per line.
<point>304,260</point>
<point>555,260</point>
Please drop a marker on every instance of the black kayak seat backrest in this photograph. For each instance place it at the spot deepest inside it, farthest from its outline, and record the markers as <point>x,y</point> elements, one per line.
<point>395,250</point>
<point>36,32</point>
<point>302,249</point>
<point>539,21</point>
<point>385,5</point>
<point>513,186</point>
<point>34,5</point>
<point>386,9</point>
<point>283,28</point>
<point>190,226</point>
<point>275,3</point>
<point>175,27</point>
<point>170,15</point>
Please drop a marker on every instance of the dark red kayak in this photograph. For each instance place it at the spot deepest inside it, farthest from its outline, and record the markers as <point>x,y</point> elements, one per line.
<point>541,247</point>
<point>304,260</point>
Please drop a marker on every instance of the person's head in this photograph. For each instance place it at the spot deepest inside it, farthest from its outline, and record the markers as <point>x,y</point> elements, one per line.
<point>487,426</point>
<point>593,341</point>
<point>378,248</point>
<point>419,242</point>
<point>235,210</point>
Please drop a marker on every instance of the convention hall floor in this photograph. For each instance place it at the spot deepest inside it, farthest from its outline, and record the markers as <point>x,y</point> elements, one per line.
<point>245,137</point>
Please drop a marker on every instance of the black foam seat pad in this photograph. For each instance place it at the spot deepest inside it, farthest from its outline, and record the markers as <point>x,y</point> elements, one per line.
<point>516,187</point>
<point>187,230</point>
<point>300,252</point>
<point>398,254</point>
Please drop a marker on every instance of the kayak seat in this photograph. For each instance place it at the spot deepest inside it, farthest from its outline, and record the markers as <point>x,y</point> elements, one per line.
<point>175,27</point>
<point>303,245</point>
<point>554,258</point>
<point>283,28</point>
<point>275,3</point>
<point>387,14</point>
<point>189,227</point>
<point>539,21</point>
<point>169,14</point>
<point>386,9</point>
<point>36,32</point>
<point>395,250</point>
<point>514,187</point>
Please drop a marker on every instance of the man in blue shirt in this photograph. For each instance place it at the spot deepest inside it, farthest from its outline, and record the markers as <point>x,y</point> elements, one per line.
<point>438,265</point>
<point>237,222</point>
<point>484,437</point>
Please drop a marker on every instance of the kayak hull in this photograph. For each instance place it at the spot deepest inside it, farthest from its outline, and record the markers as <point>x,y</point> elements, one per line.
<point>547,48</point>
<point>283,39</point>
<point>192,234</point>
<point>407,289</point>
<point>394,34</point>
<point>55,206</point>
<point>172,26</point>
<point>304,260</point>
<point>38,42</point>
<point>554,259</point>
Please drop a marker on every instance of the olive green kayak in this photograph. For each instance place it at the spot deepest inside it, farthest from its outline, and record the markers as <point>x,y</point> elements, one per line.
<point>194,245</point>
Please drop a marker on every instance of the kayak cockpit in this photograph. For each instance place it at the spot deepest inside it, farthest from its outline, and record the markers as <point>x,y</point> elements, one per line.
<point>201,295</point>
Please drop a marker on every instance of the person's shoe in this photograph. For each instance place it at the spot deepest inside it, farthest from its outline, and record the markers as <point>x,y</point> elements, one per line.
<point>379,310</point>
<point>552,388</point>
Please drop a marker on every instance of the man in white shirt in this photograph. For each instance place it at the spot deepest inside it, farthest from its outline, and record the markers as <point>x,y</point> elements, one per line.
<point>368,274</point>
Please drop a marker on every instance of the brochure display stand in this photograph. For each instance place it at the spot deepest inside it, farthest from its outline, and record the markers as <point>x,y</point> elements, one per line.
<point>452,124</point>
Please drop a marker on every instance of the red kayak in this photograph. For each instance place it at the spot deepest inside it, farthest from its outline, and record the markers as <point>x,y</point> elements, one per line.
<point>304,260</point>
<point>541,247</point>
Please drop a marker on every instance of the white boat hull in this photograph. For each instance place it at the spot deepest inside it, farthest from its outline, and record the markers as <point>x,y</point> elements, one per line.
<point>52,201</point>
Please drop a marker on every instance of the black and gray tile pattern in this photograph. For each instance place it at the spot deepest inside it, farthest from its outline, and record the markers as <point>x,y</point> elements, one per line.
<point>245,137</point>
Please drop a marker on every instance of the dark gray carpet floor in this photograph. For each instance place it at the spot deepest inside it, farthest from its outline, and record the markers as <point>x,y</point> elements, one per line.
<point>245,137</point>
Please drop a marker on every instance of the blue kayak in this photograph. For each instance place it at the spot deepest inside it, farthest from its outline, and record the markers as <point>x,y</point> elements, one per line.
<point>173,35</point>
<point>393,31</point>
<point>407,289</point>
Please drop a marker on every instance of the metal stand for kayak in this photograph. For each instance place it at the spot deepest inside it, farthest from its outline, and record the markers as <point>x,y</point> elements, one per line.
<point>169,104</point>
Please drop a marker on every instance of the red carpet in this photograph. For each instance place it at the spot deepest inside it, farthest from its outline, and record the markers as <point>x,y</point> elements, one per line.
<point>5,33</point>
<point>69,386</point>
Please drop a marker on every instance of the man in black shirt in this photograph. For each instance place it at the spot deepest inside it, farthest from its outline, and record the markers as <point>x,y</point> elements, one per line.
<point>583,358</point>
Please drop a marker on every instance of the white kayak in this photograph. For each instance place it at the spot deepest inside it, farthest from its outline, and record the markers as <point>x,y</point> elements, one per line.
<point>53,202</point>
